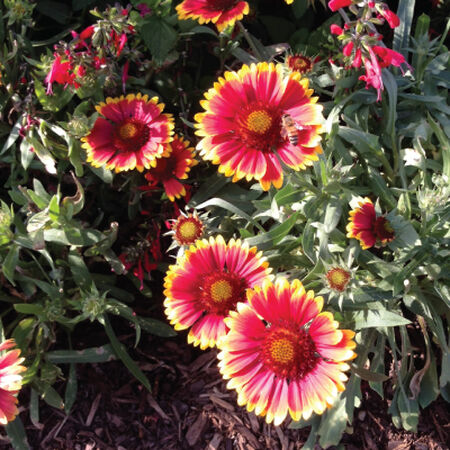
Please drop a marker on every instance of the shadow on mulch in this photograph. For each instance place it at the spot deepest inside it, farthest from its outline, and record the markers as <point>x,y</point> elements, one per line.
<point>190,408</point>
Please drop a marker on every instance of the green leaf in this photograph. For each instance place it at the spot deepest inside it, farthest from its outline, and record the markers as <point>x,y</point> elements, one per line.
<point>409,411</point>
<point>405,13</point>
<point>80,272</point>
<point>71,389</point>
<point>287,195</point>
<point>23,332</point>
<point>368,375</point>
<point>230,207</point>
<point>53,209</point>
<point>10,263</point>
<point>101,354</point>
<point>333,214</point>
<point>156,327</point>
<point>429,386</point>
<point>159,37</point>
<point>120,351</point>
<point>17,434</point>
<point>13,135</point>
<point>54,102</point>
<point>376,318</point>
<point>333,424</point>
<point>308,241</point>
<point>29,308</point>
<point>51,397</point>
<point>444,379</point>
<point>26,154</point>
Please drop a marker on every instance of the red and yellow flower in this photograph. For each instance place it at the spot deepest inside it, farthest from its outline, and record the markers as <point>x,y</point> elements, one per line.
<point>172,167</point>
<point>299,63</point>
<point>10,381</point>
<point>221,13</point>
<point>242,127</point>
<point>338,278</point>
<point>187,229</point>
<point>130,135</point>
<point>282,354</point>
<point>207,282</point>
<point>369,229</point>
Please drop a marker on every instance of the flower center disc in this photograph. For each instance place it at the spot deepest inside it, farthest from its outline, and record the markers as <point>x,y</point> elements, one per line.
<point>220,5</point>
<point>383,230</point>
<point>259,127</point>
<point>221,291</point>
<point>188,231</point>
<point>259,121</point>
<point>127,131</point>
<point>130,136</point>
<point>338,278</point>
<point>289,353</point>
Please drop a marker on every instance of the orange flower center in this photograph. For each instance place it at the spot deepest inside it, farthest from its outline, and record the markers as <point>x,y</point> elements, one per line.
<point>338,278</point>
<point>289,351</point>
<point>130,135</point>
<point>221,291</point>
<point>259,127</point>
<point>128,130</point>
<point>188,230</point>
<point>259,121</point>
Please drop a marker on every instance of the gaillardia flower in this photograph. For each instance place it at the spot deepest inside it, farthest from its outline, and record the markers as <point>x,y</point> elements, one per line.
<point>172,167</point>
<point>221,13</point>
<point>243,126</point>
<point>369,229</point>
<point>187,229</point>
<point>207,282</point>
<point>282,354</point>
<point>130,135</point>
<point>338,278</point>
<point>299,63</point>
<point>10,381</point>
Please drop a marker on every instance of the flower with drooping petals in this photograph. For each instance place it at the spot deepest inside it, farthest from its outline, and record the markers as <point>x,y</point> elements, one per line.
<point>172,167</point>
<point>282,354</point>
<point>10,381</point>
<point>338,278</point>
<point>369,229</point>
<point>242,128</point>
<point>221,13</point>
<point>299,63</point>
<point>207,282</point>
<point>130,135</point>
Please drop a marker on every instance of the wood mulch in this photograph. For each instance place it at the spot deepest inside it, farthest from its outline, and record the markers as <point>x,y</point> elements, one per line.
<point>190,408</point>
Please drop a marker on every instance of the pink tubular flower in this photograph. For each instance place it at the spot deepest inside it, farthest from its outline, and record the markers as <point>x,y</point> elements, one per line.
<point>391,18</point>
<point>336,29</point>
<point>373,74</point>
<point>357,59</point>
<point>347,50</point>
<point>87,32</point>
<point>60,73</point>
<point>10,381</point>
<point>388,56</point>
<point>334,5</point>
